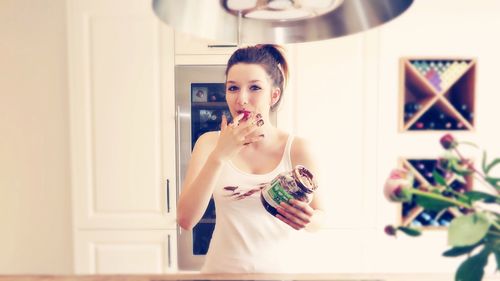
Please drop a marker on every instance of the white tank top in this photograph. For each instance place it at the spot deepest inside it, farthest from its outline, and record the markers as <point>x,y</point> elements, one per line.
<point>247,239</point>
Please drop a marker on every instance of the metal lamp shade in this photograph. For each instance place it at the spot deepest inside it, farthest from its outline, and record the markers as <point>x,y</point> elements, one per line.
<point>209,19</point>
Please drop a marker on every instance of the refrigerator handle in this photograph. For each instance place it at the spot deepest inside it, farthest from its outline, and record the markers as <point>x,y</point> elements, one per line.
<point>178,151</point>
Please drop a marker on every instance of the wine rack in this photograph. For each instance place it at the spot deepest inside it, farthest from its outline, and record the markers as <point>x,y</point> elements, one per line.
<point>413,214</point>
<point>437,94</point>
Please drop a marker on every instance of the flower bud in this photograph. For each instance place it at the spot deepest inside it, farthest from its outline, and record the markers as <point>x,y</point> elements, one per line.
<point>390,230</point>
<point>398,186</point>
<point>448,142</point>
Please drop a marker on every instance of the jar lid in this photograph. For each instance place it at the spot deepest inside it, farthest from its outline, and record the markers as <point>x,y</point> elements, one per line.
<point>305,179</point>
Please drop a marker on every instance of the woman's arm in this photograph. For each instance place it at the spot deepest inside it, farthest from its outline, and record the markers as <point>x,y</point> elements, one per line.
<point>210,153</point>
<point>202,173</point>
<point>298,214</point>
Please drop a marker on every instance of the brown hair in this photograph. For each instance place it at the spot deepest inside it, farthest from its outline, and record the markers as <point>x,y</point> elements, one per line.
<point>270,57</point>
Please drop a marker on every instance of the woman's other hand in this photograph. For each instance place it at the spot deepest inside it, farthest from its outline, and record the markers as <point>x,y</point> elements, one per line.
<point>296,214</point>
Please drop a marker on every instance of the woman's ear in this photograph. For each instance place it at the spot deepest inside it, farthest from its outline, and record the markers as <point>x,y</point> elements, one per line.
<point>275,96</point>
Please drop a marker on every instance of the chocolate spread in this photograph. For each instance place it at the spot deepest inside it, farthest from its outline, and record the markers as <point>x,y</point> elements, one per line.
<point>296,184</point>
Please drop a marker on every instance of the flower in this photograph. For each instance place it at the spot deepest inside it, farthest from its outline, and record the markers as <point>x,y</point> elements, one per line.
<point>448,142</point>
<point>477,232</point>
<point>390,230</point>
<point>397,185</point>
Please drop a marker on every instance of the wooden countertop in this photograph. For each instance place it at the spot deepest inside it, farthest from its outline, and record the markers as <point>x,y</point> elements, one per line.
<point>181,276</point>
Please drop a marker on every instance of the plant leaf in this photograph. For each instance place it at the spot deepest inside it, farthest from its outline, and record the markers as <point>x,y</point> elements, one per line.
<point>458,251</point>
<point>491,165</point>
<point>468,230</point>
<point>472,269</point>
<point>431,203</point>
<point>410,231</point>
<point>438,178</point>
<point>493,181</point>
<point>478,195</point>
<point>468,143</point>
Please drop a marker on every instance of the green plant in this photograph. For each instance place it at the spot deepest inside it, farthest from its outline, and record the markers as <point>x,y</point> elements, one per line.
<point>476,233</point>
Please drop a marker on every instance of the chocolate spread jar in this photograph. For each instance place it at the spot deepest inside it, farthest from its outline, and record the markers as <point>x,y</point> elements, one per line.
<point>296,184</point>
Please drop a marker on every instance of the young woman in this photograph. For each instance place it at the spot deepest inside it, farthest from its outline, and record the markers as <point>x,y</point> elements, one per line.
<point>233,164</point>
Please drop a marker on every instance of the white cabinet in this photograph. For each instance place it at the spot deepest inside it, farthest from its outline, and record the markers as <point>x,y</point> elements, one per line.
<point>125,252</point>
<point>190,50</point>
<point>333,109</point>
<point>189,45</point>
<point>122,125</point>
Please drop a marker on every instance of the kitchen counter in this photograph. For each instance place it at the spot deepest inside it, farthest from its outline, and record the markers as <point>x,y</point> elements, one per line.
<point>291,277</point>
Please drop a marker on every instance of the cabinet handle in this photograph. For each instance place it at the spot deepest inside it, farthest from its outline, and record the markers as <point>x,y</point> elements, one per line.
<point>169,256</point>
<point>222,46</point>
<point>168,196</point>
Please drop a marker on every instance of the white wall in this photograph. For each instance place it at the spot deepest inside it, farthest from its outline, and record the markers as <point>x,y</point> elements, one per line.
<point>35,213</point>
<point>346,95</point>
<point>443,29</point>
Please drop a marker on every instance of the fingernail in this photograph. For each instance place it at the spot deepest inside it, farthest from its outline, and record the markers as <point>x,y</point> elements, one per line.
<point>258,116</point>
<point>261,135</point>
<point>260,122</point>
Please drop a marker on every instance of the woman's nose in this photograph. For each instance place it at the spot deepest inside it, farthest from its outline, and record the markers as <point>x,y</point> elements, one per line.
<point>243,97</point>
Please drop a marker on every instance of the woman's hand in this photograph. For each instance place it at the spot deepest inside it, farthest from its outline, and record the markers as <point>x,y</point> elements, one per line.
<point>233,137</point>
<point>296,214</point>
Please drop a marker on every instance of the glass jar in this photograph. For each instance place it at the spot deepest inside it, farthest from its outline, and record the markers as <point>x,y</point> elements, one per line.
<point>298,184</point>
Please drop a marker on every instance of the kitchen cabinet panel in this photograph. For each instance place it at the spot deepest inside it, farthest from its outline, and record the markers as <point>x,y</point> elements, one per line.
<point>125,252</point>
<point>122,128</point>
<point>327,251</point>
<point>122,116</point>
<point>334,109</point>
<point>188,45</point>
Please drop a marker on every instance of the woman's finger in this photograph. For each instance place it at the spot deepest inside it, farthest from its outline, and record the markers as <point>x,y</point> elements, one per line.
<point>223,124</point>
<point>304,207</point>
<point>253,139</point>
<point>297,215</point>
<point>246,129</point>
<point>237,119</point>
<point>289,222</point>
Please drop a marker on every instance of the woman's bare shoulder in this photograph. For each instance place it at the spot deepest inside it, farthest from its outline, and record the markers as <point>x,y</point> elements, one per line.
<point>207,141</point>
<point>300,144</point>
<point>301,151</point>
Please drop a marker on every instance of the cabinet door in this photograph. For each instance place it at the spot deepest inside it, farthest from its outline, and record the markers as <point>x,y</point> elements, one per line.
<point>122,115</point>
<point>333,109</point>
<point>189,45</point>
<point>125,252</point>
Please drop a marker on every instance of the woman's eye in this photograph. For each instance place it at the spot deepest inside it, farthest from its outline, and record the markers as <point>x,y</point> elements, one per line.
<point>255,88</point>
<point>232,88</point>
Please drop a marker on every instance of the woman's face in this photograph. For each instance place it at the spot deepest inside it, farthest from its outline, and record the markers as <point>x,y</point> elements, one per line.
<point>249,90</point>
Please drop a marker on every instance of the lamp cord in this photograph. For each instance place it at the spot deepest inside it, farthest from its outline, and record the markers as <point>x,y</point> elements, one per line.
<point>239,29</point>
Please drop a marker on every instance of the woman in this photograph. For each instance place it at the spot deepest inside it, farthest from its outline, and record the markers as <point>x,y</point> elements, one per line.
<point>233,164</point>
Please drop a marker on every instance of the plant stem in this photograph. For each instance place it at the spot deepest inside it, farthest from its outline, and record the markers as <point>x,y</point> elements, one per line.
<point>440,198</point>
<point>483,177</point>
<point>485,182</point>
<point>458,194</point>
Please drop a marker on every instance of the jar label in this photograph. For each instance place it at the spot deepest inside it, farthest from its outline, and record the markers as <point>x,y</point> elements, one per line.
<point>275,194</point>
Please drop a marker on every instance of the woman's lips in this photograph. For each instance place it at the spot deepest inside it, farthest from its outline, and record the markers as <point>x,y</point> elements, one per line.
<point>246,114</point>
